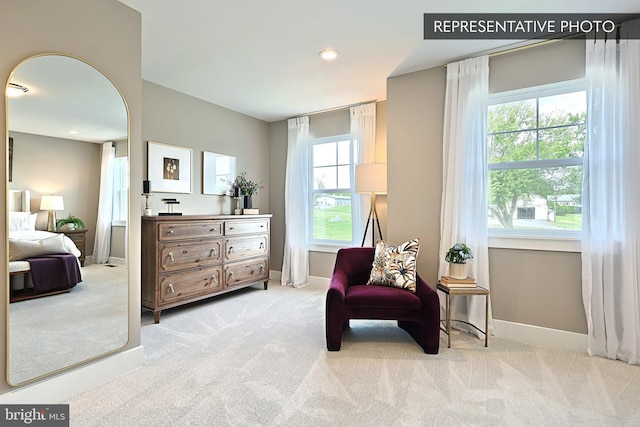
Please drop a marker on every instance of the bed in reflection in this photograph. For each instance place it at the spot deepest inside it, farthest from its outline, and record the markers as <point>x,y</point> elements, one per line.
<point>40,262</point>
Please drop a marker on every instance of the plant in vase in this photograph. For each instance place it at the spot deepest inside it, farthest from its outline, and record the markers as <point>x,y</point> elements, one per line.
<point>457,257</point>
<point>247,188</point>
<point>70,223</point>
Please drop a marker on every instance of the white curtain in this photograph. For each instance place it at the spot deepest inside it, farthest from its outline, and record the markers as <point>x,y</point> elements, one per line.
<point>610,200</point>
<point>363,132</point>
<point>463,216</point>
<point>102,243</point>
<point>295,265</point>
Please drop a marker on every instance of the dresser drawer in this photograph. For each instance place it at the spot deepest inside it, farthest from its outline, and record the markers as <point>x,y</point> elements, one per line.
<point>182,285</point>
<point>179,255</point>
<point>246,272</point>
<point>233,228</point>
<point>245,247</point>
<point>188,230</point>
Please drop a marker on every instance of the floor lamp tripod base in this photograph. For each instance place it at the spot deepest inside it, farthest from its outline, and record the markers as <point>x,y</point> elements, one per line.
<point>375,222</point>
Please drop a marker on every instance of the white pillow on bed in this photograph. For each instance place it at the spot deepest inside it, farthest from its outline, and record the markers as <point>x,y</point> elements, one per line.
<point>22,221</point>
<point>21,249</point>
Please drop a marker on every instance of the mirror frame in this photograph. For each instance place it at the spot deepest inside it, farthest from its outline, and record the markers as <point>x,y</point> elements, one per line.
<point>127,236</point>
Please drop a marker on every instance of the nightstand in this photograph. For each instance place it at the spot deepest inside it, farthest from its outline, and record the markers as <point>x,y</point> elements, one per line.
<point>79,238</point>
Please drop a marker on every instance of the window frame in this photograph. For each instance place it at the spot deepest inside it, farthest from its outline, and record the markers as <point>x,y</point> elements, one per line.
<point>325,245</point>
<point>120,193</point>
<point>560,240</point>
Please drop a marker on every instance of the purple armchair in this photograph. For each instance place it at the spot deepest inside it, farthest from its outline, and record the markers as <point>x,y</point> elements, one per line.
<point>349,297</point>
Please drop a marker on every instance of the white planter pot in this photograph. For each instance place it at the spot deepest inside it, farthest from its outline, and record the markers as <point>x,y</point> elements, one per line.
<point>457,271</point>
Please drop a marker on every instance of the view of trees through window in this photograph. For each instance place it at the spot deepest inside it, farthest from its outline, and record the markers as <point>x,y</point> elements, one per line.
<point>535,151</point>
<point>331,192</point>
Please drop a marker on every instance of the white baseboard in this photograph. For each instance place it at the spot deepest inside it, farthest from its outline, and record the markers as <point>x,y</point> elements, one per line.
<point>64,386</point>
<point>539,335</point>
<point>276,276</point>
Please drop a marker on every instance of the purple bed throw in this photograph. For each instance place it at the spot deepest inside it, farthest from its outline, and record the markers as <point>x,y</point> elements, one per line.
<point>54,272</point>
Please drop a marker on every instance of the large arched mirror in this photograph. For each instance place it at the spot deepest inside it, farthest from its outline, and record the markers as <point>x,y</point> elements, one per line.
<point>67,156</point>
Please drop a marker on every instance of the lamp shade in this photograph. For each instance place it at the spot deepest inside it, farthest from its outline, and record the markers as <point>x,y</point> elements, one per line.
<point>51,203</point>
<point>371,178</point>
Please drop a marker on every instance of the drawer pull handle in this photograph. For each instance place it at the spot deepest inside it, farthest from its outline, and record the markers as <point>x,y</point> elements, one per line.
<point>261,225</point>
<point>215,279</point>
<point>213,252</point>
<point>261,245</point>
<point>230,228</point>
<point>171,256</point>
<point>230,276</point>
<point>170,231</point>
<point>230,249</point>
<point>171,288</point>
<point>262,269</point>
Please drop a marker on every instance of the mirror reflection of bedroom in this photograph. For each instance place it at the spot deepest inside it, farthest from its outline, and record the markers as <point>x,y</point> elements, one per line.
<point>68,191</point>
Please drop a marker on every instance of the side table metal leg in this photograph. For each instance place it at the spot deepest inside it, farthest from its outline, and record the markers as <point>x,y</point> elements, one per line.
<point>448,321</point>
<point>486,320</point>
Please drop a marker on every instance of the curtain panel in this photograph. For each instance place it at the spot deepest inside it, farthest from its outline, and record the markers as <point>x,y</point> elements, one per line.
<point>463,215</point>
<point>102,242</point>
<point>363,133</point>
<point>610,199</point>
<point>295,264</point>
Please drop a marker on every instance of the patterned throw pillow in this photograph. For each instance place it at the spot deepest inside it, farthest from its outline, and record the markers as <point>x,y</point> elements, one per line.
<point>395,265</point>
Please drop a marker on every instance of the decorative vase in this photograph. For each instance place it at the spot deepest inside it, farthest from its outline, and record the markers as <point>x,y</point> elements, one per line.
<point>248,202</point>
<point>457,271</point>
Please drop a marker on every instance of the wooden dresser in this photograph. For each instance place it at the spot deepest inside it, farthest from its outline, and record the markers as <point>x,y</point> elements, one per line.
<point>192,257</point>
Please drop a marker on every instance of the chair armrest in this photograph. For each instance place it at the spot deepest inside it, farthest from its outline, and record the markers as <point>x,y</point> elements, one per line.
<point>426,292</point>
<point>338,284</point>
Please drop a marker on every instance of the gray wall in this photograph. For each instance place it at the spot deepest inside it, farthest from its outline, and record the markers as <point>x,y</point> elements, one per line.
<point>84,30</point>
<point>531,287</point>
<point>174,118</point>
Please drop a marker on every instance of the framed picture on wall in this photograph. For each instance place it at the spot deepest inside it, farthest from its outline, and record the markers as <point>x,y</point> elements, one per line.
<point>169,167</point>
<point>218,173</point>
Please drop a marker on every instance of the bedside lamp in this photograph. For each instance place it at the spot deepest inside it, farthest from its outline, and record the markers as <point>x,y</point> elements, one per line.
<point>371,178</point>
<point>52,204</point>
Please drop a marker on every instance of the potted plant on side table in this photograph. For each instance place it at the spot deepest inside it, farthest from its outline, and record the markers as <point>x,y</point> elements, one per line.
<point>70,223</point>
<point>457,257</point>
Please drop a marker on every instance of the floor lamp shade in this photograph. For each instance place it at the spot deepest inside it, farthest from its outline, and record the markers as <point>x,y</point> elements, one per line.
<point>371,178</point>
<point>51,204</point>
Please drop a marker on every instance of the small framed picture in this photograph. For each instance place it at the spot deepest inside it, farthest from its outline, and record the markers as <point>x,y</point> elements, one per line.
<point>169,167</point>
<point>218,173</point>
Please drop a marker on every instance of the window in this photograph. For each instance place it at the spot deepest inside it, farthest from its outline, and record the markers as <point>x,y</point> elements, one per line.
<point>332,197</point>
<point>535,149</point>
<point>120,191</point>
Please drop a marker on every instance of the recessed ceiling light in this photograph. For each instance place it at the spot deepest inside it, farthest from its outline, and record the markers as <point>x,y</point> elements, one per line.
<point>15,89</point>
<point>73,132</point>
<point>329,54</point>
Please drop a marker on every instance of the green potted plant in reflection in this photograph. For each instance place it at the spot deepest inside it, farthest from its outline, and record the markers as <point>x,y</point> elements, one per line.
<point>70,223</point>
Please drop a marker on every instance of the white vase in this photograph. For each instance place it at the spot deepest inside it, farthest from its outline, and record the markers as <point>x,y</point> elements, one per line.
<point>457,271</point>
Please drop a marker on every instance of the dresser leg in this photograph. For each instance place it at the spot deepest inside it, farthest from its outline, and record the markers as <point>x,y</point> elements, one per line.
<point>156,316</point>
<point>266,284</point>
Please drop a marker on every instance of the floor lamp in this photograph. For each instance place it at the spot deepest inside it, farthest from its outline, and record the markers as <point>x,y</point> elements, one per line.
<point>371,178</point>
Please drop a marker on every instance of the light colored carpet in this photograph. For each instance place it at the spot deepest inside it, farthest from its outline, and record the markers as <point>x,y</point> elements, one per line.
<point>52,332</point>
<point>258,358</point>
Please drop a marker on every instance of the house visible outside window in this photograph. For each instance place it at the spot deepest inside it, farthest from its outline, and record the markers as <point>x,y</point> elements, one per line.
<point>120,191</point>
<point>535,153</point>
<point>332,197</point>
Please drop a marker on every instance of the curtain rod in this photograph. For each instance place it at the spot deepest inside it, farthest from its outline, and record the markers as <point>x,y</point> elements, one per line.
<point>492,52</point>
<point>328,110</point>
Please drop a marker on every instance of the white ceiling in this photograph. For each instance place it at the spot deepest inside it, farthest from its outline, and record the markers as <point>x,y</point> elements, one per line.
<point>261,58</point>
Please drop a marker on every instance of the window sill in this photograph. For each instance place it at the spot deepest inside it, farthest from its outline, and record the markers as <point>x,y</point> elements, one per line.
<point>118,223</point>
<point>553,244</point>
<point>325,247</point>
